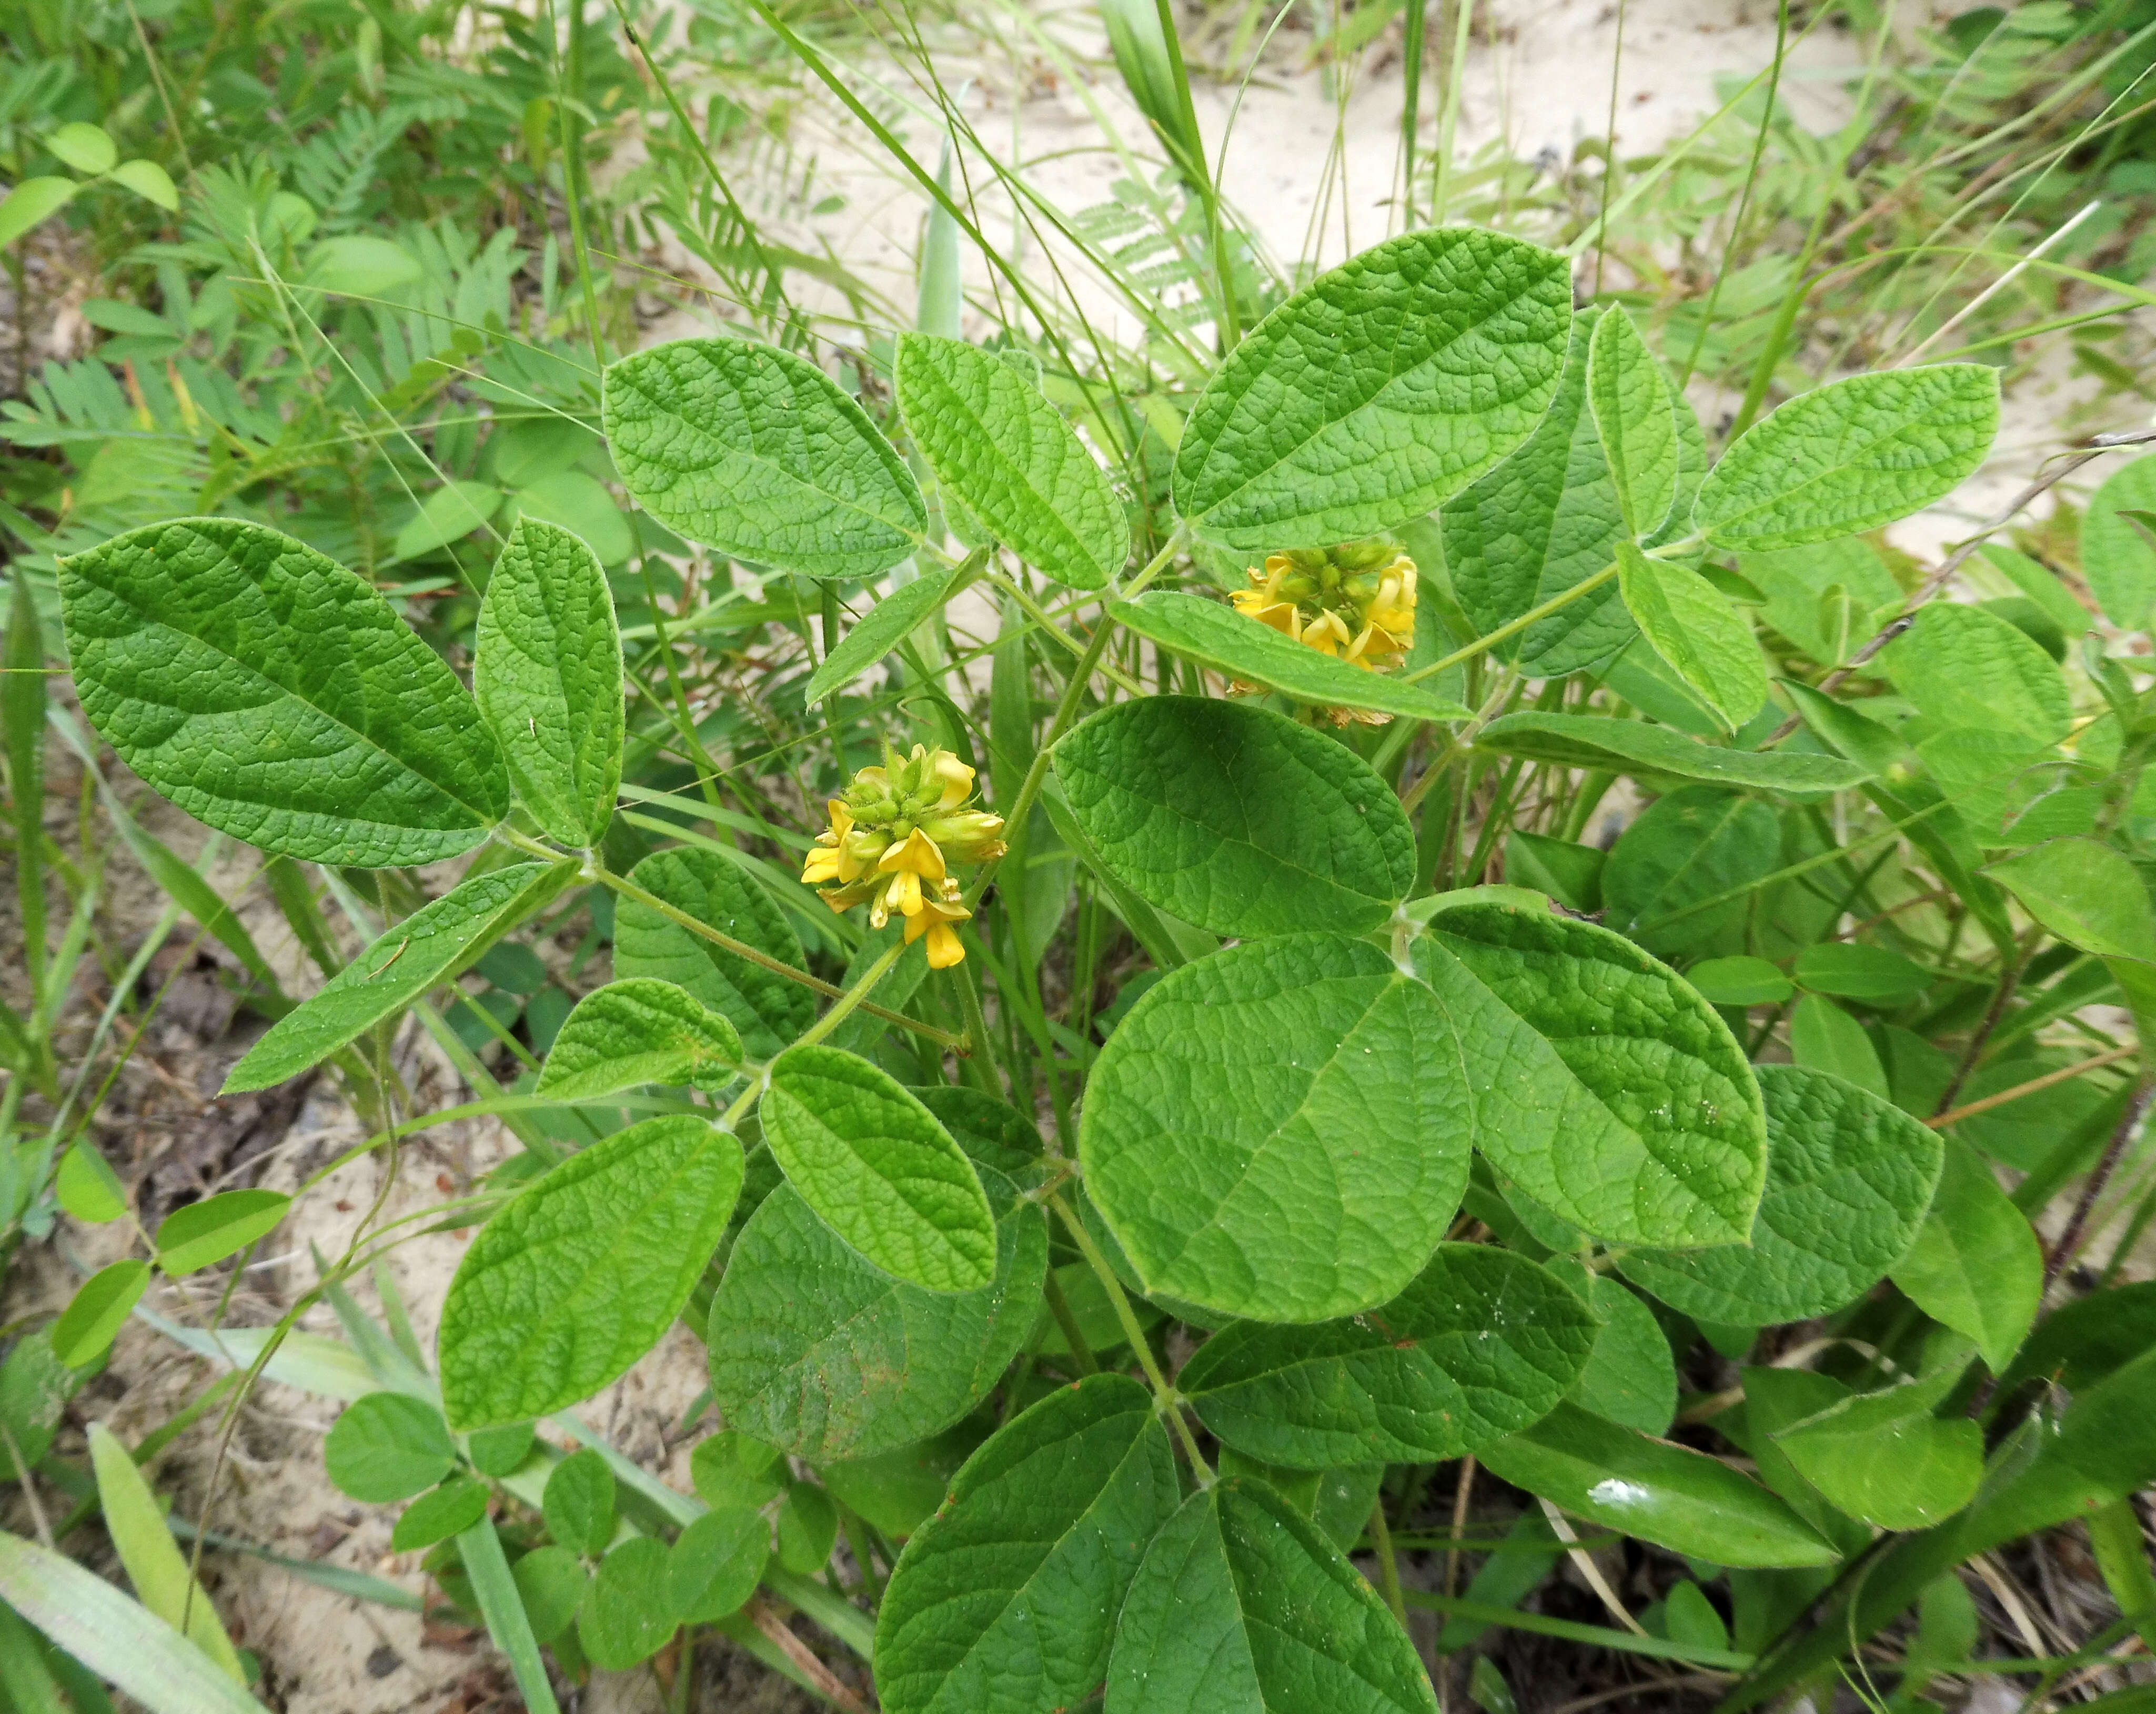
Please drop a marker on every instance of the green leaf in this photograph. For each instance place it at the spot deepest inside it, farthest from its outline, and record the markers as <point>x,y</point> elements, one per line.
<point>1688,623</point>
<point>98,1311</point>
<point>1853,971</point>
<point>1850,456</point>
<point>401,965</point>
<point>1242,1604</point>
<point>1010,458</point>
<point>1964,666</point>
<point>1005,1601</point>
<point>150,182</point>
<point>756,452</point>
<point>716,1564</point>
<point>584,1270</point>
<point>361,265</point>
<point>501,1604</point>
<point>767,1009</point>
<point>2101,1450</point>
<point>1739,982</point>
<point>122,1642</point>
<point>1609,1089</point>
<point>1650,753</point>
<point>880,1169</point>
<point>497,1452</point>
<point>1631,1373</point>
<point>1824,1037</point>
<point>733,1470</point>
<point>387,1446</point>
<point>1377,392</point>
<point>1975,1265</point>
<point>808,1529</point>
<point>1541,522</point>
<point>636,1031</point>
<point>1629,396</point>
<point>2086,893</point>
<point>435,1517</point>
<point>1660,1492</point>
<point>2118,561</point>
<point>578,1502</point>
<point>1849,1178</point>
<point>208,1231</point>
<point>269,692</point>
<point>548,679</point>
<point>815,1350</point>
<point>83,147</point>
<point>1885,1458</point>
<point>1251,653</point>
<point>31,204</point>
<point>553,1585</point>
<point>626,1619</point>
<point>449,514</point>
<point>155,1565</point>
<point>1699,843</point>
<point>88,1188</point>
<point>1280,1131</point>
<point>572,500</point>
<point>1236,818</point>
<point>1478,1347</point>
<point>886,625</point>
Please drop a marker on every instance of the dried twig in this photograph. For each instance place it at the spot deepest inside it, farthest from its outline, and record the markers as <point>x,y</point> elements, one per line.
<point>799,1653</point>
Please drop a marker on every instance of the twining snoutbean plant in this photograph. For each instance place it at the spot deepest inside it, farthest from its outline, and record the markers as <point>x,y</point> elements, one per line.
<point>1097,1347</point>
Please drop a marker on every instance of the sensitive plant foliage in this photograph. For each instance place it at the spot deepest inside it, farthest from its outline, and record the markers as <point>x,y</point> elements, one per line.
<point>1425,1169</point>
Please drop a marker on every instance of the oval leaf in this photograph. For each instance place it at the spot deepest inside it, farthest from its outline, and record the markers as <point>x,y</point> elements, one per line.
<point>98,1309</point>
<point>716,1563</point>
<point>2087,894</point>
<point>584,1271</point>
<point>1849,1177</point>
<point>269,692</point>
<point>1609,1089</point>
<point>1663,1493</point>
<point>1254,653</point>
<point>1975,1265</point>
<point>885,626</point>
<point>1655,753</point>
<point>627,1618</point>
<point>427,947</point>
<point>1480,1345</point>
<point>578,1502</point>
<point>1241,1604</point>
<point>1280,1131</point>
<point>640,1031</point>
<point>1629,396</point>
<point>768,1010</point>
<point>1236,818</point>
<point>880,1169</point>
<point>435,1517</point>
<point>210,1230</point>
<point>1850,456</point>
<point>547,676</point>
<point>815,1351</point>
<point>756,452</point>
<point>1043,1530</point>
<point>1688,623</point>
<point>387,1446</point>
<point>1014,465</point>
<point>1377,392</point>
<point>2118,559</point>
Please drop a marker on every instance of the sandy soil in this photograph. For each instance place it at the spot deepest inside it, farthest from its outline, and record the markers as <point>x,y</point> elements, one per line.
<point>1314,171</point>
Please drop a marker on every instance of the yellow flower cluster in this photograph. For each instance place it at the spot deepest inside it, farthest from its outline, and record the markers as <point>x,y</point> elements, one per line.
<point>892,838</point>
<point>1356,603</point>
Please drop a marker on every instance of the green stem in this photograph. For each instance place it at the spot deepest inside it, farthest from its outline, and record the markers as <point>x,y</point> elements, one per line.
<point>1170,1401</point>
<point>976,1065</point>
<point>854,997</point>
<point>1388,1564</point>
<point>1066,1318</point>
<point>1483,644</point>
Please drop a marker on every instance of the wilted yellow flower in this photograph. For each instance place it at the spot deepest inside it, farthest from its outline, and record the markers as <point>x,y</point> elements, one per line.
<point>892,838</point>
